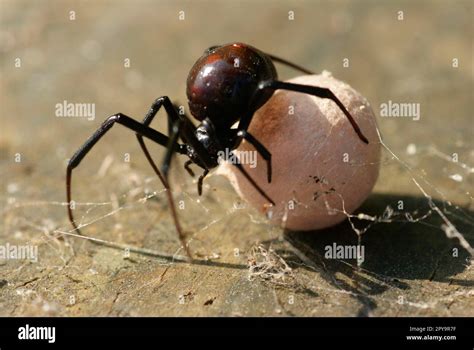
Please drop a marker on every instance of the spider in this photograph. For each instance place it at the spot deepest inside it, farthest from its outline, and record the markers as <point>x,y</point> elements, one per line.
<point>226,85</point>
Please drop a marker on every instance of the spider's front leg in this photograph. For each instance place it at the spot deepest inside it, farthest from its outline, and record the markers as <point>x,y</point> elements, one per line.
<point>155,107</point>
<point>174,131</point>
<point>179,126</point>
<point>186,131</point>
<point>121,119</point>
<point>191,173</point>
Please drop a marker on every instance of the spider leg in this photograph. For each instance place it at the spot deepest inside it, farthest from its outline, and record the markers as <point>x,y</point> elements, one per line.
<point>188,169</point>
<point>315,91</point>
<point>171,148</point>
<point>124,120</point>
<point>186,129</point>
<point>289,64</point>
<point>260,149</point>
<point>200,180</point>
<point>155,107</point>
<point>249,178</point>
<point>172,119</point>
<point>178,126</point>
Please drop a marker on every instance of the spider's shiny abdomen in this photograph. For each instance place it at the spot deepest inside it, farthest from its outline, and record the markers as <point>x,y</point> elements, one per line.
<point>223,81</point>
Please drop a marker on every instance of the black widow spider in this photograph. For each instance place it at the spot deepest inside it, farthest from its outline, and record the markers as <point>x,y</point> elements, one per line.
<point>226,85</point>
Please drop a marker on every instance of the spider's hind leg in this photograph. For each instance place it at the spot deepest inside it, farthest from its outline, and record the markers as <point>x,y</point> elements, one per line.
<point>289,64</point>
<point>314,91</point>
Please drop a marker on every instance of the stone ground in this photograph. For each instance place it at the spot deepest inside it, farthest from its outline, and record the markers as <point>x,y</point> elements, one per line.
<point>245,266</point>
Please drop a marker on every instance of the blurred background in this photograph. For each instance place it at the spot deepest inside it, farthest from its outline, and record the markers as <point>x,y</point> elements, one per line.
<point>121,55</point>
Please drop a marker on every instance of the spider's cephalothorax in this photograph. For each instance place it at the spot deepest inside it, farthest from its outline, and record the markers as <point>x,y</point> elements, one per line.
<point>225,87</point>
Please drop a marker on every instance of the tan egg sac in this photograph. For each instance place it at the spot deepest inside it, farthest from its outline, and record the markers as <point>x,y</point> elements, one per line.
<point>320,166</point>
